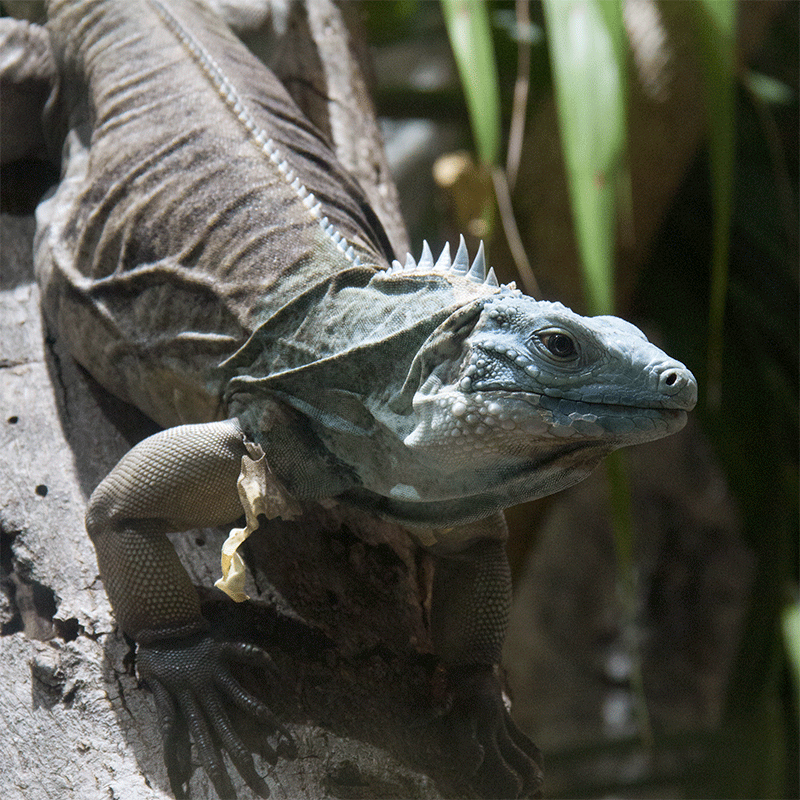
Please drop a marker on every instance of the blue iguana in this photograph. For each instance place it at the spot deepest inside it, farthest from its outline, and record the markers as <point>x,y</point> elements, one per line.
<point>206,258</point>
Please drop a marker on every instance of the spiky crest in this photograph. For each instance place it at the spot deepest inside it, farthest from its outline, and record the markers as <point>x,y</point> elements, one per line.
<point>476,272</point>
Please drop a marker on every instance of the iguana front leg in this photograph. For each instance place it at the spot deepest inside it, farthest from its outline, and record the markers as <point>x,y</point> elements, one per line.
<point>471,600</point>
<point>179,479</point>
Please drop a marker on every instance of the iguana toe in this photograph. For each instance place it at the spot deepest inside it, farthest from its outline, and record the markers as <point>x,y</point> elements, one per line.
<point>192,686</point>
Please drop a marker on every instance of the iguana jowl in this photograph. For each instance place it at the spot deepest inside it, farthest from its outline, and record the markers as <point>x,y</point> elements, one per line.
<point>207,259</point>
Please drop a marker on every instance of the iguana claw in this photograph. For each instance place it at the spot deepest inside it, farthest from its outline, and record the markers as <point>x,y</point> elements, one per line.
<point>483,734</point>
<point>192,685</point>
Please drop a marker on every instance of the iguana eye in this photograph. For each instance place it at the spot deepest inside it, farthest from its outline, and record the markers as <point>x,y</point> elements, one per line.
<point>559,344</point>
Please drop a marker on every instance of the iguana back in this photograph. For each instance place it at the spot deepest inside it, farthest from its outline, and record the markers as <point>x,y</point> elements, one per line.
<point>182,224</point>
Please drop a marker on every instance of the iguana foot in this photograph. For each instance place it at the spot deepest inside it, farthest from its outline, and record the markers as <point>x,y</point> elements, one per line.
<point>192,686</point>
<point>483,734</point>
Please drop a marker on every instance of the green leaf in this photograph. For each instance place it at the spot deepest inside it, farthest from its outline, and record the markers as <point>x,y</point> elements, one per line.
<point>587,53</point>
<point>714,23</point>
<point>470,35</point>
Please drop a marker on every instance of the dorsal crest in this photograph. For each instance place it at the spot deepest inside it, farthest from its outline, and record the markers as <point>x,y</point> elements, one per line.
<point>445,265</point>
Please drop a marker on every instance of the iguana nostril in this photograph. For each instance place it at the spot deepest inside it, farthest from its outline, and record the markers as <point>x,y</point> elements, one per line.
<point>679,384</point>
<point>672,379</point>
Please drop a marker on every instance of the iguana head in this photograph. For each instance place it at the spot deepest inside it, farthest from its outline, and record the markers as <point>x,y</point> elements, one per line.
<point>534,378</point>
<point>522,398</point>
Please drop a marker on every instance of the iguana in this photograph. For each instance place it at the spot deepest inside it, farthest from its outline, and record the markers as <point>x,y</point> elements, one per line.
<point>207,259</point>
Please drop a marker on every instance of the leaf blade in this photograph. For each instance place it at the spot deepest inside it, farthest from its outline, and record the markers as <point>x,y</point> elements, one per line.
<point>588,76</point>
<point>470,35</point>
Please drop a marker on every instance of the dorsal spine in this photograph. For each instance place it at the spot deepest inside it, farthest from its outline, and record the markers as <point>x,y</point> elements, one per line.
<point>445,265</point>
<point>233,100</point>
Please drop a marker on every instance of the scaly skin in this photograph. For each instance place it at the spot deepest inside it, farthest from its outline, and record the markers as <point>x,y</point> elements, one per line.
<point>207,259</point>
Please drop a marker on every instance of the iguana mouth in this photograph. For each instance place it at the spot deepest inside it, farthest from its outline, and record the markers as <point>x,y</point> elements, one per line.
<point>613,419</point>
<point>675,417</point>
<point>660,404</point>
